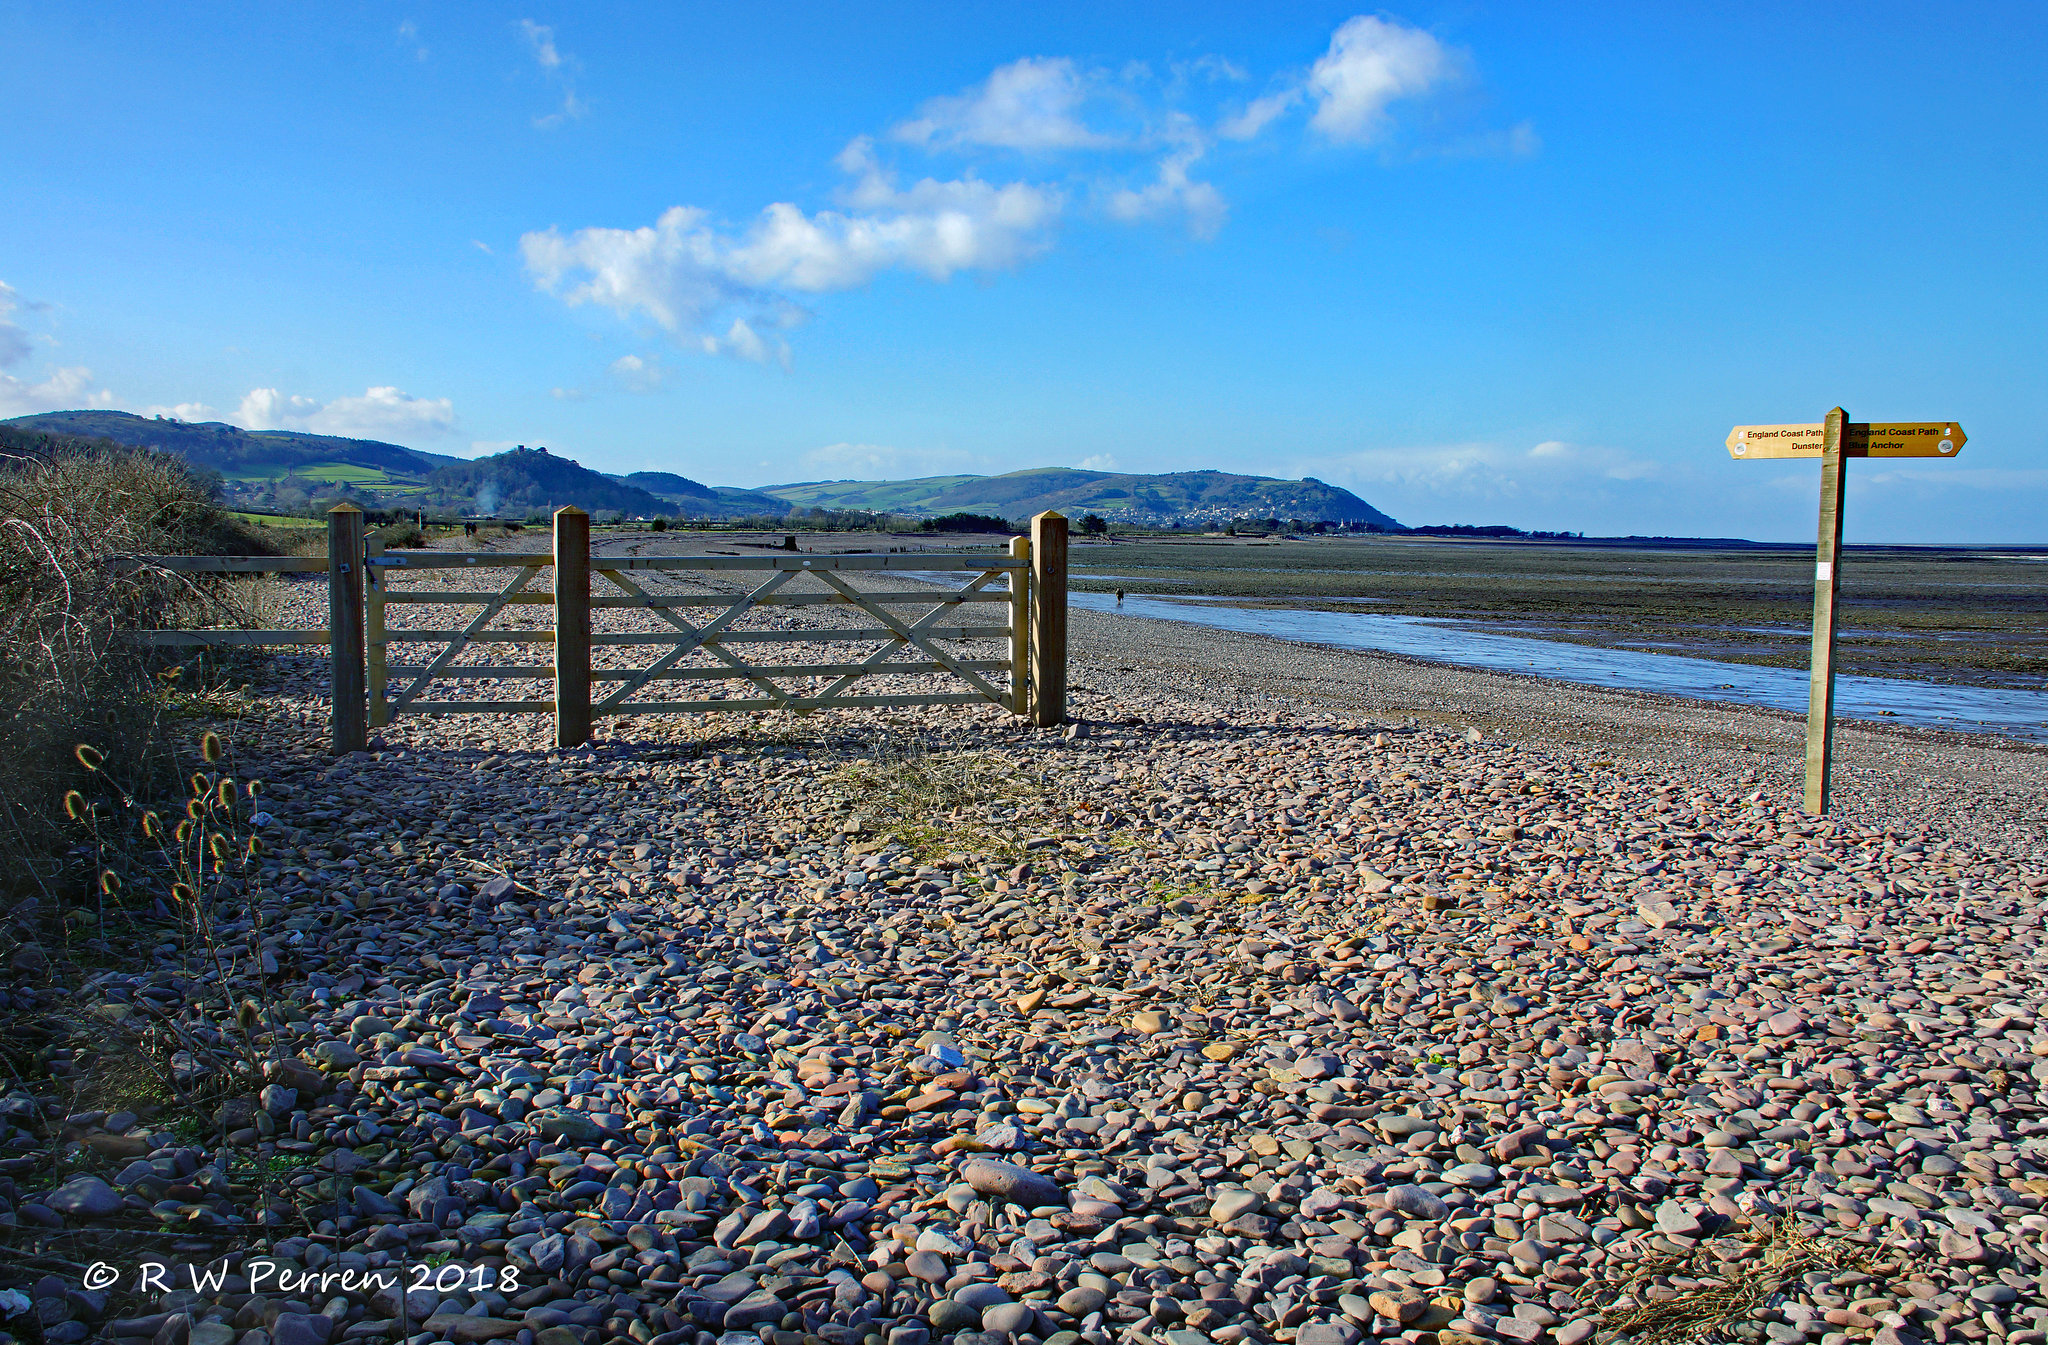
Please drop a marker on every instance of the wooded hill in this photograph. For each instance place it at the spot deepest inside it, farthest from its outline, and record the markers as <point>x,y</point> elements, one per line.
<point>292,471</point>
<point>1134,497</point>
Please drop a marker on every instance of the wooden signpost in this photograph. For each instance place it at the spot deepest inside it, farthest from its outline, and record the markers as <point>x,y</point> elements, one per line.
<point>1833,441</point>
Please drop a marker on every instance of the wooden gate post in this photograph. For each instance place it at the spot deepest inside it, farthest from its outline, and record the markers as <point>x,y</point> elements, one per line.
<point>346,720</point>
<point>1020,628</point>
<point>572,627</point>
<point>1820,698</point>
<point>1049,619</point>
<point>376,639</point>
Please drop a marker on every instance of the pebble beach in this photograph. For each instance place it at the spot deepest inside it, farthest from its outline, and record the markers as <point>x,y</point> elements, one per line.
<point>1289,995</point>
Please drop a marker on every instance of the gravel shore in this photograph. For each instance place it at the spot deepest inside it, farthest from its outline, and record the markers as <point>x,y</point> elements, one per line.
<point>1296,995</point>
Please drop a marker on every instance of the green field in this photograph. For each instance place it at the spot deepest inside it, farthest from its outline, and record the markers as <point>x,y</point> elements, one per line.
<point>332,473</point>
<point>277,520</point>
<point>877,496</point>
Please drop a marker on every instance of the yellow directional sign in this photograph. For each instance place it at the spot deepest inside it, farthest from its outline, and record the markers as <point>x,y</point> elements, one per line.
<point>1834,441</point>
<point>1920,439</point>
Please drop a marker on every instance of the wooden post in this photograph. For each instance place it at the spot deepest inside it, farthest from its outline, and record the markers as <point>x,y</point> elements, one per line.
<point>375,645</point>
<point>572,627</point>
<point>1049,619</point>
<point>1820,700</point>
<point>345,718</point>
<point>1020,628</point>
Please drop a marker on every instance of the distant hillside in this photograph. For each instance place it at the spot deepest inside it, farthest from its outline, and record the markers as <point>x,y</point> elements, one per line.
<point>524,480</point>
<point>235,452</point>
<point>290,471</point>
<point>695,500</point>
<point>669,485</point>
<point>1127,496</point>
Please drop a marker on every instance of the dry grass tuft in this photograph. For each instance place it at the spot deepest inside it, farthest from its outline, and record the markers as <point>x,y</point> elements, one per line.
<point>1712,1302</point>
<point>939,803</point>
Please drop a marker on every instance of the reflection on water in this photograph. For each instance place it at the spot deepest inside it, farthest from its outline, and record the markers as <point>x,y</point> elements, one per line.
<point>2017,714</point>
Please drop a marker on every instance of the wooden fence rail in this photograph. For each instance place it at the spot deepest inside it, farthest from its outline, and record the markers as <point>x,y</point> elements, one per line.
<point>1032,575</point>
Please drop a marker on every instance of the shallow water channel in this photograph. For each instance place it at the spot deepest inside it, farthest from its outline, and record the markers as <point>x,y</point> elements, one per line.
<point>2016,714</point>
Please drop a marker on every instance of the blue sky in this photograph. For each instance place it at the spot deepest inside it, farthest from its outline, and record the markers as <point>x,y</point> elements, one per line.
<point>1478,262</point>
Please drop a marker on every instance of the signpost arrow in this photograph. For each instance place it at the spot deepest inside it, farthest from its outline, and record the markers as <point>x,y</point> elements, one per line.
<point>1921,439</point>
<point>1833,441</point>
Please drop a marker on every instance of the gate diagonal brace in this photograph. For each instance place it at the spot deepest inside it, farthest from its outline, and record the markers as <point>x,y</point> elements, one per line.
<point>461,641</point>
<point>704,637</point>
<point>909,635</point>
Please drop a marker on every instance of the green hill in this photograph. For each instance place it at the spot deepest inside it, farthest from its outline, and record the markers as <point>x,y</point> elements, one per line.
<point>290,471</point>
<point>694,500</point>
<point>1125,496</point>
<point>670,486</point>
<point>524,480</point>
<point>238,453</point>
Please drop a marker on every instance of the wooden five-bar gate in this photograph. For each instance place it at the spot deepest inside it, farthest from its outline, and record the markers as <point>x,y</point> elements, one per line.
<point>699,640</point>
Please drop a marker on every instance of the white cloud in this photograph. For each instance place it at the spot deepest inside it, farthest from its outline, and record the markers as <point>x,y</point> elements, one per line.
<point>1371,63</point>
<point>186,411</point>
<point>742,342</point>
<point>568,394</point>
<point>1259,114</point>
<point>269,409</point>
<point>380,413</point>
<point>556,68</point>
<point>683,269</point>
<point>1032,104</point>
<point>65,389</point>
<point>409,36</point>
<point>1173,189</point>
<point>541,39</point>
<point>572,108</point>
<point>640,375</point>
<point>1211,68</point>
<point>1099,462</point>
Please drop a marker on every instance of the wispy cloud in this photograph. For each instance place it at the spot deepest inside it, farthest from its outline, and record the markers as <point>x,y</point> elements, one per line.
<point>638,374</point>
<point>557,68</point>
<point>1372,63</point>
<point>64,389</point>
<point>742,342</point>
<point>186,411</point>
<point>1174,189</point>
<point>1478,472</point>
<point>1032,104</point>
<point>846,459</point>
<point>409,37</point>
<point>380,413</point>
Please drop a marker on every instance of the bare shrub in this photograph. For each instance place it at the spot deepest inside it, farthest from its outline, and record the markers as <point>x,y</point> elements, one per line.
<point>68,509</point>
